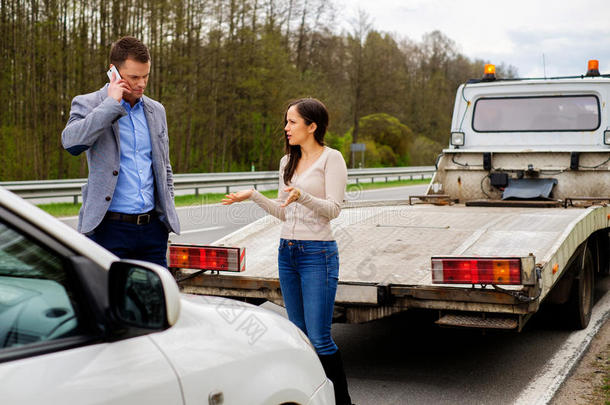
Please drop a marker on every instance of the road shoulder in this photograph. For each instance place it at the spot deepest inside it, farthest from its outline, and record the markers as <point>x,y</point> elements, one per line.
<point>585,386</point>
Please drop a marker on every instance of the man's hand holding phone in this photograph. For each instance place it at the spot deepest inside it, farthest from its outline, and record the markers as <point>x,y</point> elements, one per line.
<point>118,87</point>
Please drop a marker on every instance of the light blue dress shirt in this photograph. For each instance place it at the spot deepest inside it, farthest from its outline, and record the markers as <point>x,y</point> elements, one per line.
<point>135,189</point>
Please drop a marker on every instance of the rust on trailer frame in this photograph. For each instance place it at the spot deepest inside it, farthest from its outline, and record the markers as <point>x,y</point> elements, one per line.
<point>586,201</point>
<point>364,314</point>
<point>348,293</point>
<point>246,284</point>
<point>400,298</point>
<point>463,306</point>
<point>437,199</point>
<point>453,294</point>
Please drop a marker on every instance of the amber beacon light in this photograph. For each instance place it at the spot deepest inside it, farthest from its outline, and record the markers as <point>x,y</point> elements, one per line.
<point>489,73</point>
<point>593,68</point>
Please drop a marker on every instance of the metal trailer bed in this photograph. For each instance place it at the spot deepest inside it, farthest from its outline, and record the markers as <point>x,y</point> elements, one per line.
<point>385,253</point>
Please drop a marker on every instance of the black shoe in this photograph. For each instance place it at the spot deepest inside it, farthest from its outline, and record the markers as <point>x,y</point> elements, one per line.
<point>333,367</point>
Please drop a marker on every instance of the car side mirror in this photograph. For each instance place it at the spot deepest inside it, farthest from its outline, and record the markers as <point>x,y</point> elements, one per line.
<point>142,296</point>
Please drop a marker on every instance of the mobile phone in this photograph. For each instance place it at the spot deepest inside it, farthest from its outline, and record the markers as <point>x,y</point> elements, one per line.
<point>114,70</point>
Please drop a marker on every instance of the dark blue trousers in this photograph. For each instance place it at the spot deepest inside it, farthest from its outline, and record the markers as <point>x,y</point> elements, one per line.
<point>130,241</point>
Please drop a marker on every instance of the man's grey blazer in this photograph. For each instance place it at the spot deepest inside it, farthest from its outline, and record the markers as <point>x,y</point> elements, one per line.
<point>93,127</point>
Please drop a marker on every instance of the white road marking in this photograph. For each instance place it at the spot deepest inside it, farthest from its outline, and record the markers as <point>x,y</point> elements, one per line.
<point>210,228</point>
<point>544,386</point>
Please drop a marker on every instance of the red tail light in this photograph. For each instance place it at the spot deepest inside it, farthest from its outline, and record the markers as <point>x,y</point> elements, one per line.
<point>207,257</point>
<point>476,270</point>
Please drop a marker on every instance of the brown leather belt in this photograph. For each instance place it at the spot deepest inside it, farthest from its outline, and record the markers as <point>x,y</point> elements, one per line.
<point>138,219</point>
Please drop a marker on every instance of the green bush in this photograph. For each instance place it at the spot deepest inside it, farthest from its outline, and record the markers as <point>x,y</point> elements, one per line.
<point>424,151</point>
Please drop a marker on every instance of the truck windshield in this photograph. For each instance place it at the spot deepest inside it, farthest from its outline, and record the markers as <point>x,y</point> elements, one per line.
<point>548,113</point>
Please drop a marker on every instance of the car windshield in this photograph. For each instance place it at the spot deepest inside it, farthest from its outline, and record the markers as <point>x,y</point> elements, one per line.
<point>549,113</point>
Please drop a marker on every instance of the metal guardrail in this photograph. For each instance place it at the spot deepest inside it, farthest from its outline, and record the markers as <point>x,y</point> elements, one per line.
<point>72,187</point>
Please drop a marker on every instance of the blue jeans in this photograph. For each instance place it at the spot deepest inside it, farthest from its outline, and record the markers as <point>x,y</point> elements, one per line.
<point>309,272</point>
<point>130,241</point>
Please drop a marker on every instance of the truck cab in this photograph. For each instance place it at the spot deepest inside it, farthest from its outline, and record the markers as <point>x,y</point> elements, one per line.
<point>512,138</point>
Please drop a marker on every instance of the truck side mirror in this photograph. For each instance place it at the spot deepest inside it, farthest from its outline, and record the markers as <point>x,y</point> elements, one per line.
<point>143,297</point>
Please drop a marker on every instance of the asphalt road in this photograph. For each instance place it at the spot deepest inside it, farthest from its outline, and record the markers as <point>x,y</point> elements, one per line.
<point>407,359</point>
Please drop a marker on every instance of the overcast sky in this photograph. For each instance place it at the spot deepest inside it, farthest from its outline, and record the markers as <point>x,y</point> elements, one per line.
<point>516,32</point>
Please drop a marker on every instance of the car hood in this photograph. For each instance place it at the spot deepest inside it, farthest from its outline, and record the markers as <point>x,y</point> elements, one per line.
<point>234,324</point>
<point>235,342</point>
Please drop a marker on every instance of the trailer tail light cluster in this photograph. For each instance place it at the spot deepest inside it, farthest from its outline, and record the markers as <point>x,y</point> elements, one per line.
<point>207,258</point>
<point>466,270</point>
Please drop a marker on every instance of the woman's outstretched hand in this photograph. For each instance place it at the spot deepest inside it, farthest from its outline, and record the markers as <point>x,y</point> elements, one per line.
<point>294,194</point>
<point>236,197</point>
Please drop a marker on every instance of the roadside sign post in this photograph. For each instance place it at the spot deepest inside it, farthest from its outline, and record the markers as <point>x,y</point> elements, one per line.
<point>358,147</point>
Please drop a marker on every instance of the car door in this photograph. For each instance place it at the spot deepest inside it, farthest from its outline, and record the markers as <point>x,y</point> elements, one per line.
<point>51,349</point>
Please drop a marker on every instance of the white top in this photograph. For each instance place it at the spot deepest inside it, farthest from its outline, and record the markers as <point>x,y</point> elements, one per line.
<point>322,187</point>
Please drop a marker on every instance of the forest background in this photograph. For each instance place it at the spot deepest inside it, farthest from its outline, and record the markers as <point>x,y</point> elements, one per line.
<point>225,71</point>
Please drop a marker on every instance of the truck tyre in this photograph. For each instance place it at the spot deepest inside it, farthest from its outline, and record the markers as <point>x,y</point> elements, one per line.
<point>580,304</point>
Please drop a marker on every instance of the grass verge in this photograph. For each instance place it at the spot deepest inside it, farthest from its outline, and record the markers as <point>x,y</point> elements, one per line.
<point>70,209</point>
<point>604,367</point>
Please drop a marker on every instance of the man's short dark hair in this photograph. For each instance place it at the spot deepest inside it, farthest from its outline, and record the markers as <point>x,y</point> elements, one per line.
<point>128,48</point>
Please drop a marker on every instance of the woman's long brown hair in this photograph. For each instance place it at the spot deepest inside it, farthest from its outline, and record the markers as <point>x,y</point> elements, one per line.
<point>311,110</point>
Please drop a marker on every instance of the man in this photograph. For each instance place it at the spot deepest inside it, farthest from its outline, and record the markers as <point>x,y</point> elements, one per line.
<point>128,201</point>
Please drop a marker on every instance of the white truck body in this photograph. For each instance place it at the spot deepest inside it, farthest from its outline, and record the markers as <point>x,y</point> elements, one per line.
<point>386,247</point>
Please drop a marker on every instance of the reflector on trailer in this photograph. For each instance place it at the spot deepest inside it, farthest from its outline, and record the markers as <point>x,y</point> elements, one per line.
<point>476,270</point>
<point>207,257</point>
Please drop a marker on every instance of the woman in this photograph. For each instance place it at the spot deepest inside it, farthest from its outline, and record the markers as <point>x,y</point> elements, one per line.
<point>311,189</point>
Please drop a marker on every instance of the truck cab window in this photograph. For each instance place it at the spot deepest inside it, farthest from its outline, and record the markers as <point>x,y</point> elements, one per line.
<point>535,114</point>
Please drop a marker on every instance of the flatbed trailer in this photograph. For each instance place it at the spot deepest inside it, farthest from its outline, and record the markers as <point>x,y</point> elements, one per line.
<point>526,193</point>
<point>385,250</point>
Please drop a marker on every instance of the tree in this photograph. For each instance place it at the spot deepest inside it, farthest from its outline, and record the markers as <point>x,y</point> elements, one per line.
<point>224,69</point>
<point>357,75</point>
<point>385,130</point>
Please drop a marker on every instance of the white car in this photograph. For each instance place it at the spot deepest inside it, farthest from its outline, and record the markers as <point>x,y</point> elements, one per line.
<point>79,326</point>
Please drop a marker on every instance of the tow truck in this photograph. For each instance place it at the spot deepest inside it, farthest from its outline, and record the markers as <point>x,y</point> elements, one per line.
<point>516,215</point>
